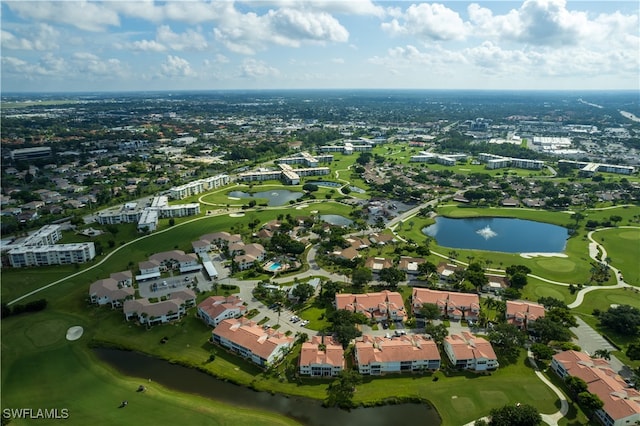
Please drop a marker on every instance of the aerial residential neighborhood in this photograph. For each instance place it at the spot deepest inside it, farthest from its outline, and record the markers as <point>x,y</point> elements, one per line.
<point>461,266</point>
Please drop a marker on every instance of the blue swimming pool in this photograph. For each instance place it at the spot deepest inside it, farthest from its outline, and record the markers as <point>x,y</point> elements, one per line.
<point>274,267</point>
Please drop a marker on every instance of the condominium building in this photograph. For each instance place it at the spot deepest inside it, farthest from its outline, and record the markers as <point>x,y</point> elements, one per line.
<point>405,353</point>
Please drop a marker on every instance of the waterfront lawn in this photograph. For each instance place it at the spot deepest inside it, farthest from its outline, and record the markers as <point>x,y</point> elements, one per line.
<point>464,397</point>
<point>623,247</point>
<point>41,369</point>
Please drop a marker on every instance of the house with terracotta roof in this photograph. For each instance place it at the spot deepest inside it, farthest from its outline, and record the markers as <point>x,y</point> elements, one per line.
<point>321,357</point>
<point>521,313</point>
<point>456,306</point>
<point>246,338</point>
<point>408,353</point>
<point>150,313</point>
<point>214,309</point>
<point>110,290</point>
<point>621,402</point>
<point>446,271</point>
<point>470,352</point>
<point>380,306</point>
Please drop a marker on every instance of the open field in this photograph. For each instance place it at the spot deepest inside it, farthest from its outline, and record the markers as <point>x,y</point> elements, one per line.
<point>41,369</point>
<point>464,397</point>
<point>623,247</point>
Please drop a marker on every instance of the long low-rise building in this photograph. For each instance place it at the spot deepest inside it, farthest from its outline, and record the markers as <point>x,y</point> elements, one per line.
<point>263,346</point>
<point>146,217</point>
<point>454,305</point>
<point>56,254</point>
<point>498,162</point>
<point>589,168</point>
<point>470,352</point>
<point>321,357</point>
<point>621,401</point>
<point>406,353</point>
<point>198,186</point>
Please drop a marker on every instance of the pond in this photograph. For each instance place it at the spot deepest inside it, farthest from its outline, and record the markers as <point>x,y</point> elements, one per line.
<point>275,197</point>
<point>498,234</point>
<point>306,411</point>
<point>336,219</point>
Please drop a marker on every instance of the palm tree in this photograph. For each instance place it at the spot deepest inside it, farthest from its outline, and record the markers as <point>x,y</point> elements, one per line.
<point>603,353</point>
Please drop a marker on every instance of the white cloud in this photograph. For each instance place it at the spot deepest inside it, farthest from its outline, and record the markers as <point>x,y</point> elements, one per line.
<point>252,68</point>
<point>337,60</point>
<point>175,66</point>
<point>293,26</point>
<point>188,40</point>
<point>89,16</point>
<point>221,59</point>
<point>431,21</point>
<point>91,65</point>
<point>145,46</point>
<point>550,23</point>
<point>40,37</point>
<point>249,32</point>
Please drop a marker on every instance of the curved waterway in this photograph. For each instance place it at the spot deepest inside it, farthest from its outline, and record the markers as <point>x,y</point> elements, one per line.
<point>306,411</point>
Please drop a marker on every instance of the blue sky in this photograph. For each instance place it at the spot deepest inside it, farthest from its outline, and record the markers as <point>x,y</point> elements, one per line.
<point>61,46</point>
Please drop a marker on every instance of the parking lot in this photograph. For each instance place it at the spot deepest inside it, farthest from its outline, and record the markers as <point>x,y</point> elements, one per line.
<point>162,286</point>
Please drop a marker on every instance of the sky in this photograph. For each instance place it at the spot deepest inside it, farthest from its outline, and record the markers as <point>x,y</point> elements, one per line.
<point>146,45</point>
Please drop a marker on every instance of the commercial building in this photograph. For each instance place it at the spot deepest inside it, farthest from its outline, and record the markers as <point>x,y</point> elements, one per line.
<point>27,154</point>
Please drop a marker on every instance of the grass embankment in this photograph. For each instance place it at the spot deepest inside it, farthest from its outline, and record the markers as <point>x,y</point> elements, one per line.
<point>602,300</point>
<point>41,369</point>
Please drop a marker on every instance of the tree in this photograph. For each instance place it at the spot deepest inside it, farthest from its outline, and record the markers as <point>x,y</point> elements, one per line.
<point>427,268</point>
<point>508,340</point>
<point>633,351</point>
<point>344,325</point>
<point>392,276</point>
<point>340,391</point>
<point>551,302</point>
<point>542,352</point>
<point>546,330</point>
<point>562,316</point>
<point>576,385</point>
<point>329,290</point>
<point>623,319</point>
<point>603,353</point>
<point>429,311</point>
<point>437,332</point>
<point>303,291</point>
<point>512,415</point>
<point>511,293</point>
<point>361,276</point>
<point>590,401</point>
<point>475,275</point>
<point>310,187</point>
<point>518,280</point>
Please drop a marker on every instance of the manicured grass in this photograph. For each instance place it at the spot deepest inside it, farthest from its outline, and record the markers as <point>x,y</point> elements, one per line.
<point>41,369</point>
<point>535,289</point>
<point>623,247</point>
<point>316,317</point>
<point>464,397</point>
<point>602,300</point>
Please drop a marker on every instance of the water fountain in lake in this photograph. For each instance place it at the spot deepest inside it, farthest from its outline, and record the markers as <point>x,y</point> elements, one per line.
<point>486,232</point>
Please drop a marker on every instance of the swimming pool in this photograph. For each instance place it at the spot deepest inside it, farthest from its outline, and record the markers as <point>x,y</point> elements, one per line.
<point>274,266</point>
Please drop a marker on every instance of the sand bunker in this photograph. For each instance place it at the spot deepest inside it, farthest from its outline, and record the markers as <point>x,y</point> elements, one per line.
<point>302,206</point>
<point>75,332</point>
<point>532,255</point>
<point>236,214</point>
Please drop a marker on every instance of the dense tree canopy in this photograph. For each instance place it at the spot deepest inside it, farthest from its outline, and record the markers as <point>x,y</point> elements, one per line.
<point>515,415</point>
<point>623,319</point>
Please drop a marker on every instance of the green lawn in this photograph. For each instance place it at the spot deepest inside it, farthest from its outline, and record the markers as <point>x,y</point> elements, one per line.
<point>623,247</point>
<point>41,369</point>
<point>464,397</point>
<point>603,299</point>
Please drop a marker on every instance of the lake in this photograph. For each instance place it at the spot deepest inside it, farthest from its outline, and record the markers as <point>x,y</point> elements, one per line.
<point>498,234</point>
<point>306,411</point>
<point>276,197</point>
